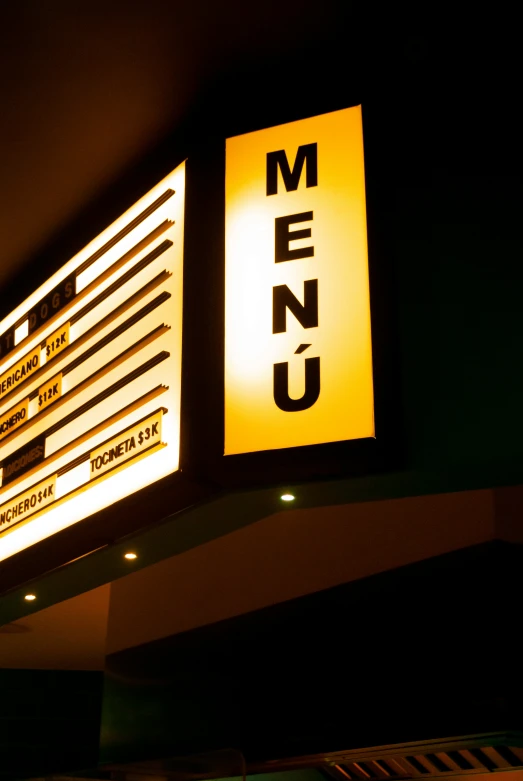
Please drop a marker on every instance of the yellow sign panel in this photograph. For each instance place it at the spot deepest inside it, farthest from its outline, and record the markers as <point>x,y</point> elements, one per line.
<point>21,370</point>
<point>22,506</point>
<point>298,355</point>
<point>50,392</point>
<point>57,342</point>
<point>126,445</point>
<point>14,418</point>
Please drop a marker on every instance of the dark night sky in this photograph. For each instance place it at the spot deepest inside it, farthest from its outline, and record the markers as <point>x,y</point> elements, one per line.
<point>90,88</point>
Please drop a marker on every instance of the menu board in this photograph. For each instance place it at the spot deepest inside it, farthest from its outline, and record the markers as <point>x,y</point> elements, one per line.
<point>90,374</point>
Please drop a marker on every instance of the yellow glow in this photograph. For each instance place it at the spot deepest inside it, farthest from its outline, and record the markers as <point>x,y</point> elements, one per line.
<point>30,597</point>
<point>76,494</point>
<point>287,497</point>
<point>342,338</point>
<point>130,556</point>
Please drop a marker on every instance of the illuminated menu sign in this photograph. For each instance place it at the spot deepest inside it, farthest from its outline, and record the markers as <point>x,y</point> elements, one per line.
<point>298,356</point>
<point>90,371</point>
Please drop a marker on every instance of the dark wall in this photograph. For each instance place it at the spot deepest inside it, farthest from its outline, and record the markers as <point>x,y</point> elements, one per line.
<point>425,652</point>
<point>49,721</point>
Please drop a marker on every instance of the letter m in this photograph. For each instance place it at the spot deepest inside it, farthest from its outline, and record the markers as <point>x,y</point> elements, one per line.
<point>306,155</point>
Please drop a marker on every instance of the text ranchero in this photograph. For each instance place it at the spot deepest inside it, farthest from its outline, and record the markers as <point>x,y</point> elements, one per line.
<point>24,505</point>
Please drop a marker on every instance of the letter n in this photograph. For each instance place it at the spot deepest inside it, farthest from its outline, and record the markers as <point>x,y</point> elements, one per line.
<point>306,155</point>
<point>306,314</point>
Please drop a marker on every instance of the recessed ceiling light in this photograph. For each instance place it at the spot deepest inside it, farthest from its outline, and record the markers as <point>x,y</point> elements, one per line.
<point>30,597</point>
<point>287,497</point>
<point>130,556</point>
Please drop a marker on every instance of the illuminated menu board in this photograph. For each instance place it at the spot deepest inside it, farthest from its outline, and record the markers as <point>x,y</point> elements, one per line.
<point>298,348</point>
<point>90,369</point>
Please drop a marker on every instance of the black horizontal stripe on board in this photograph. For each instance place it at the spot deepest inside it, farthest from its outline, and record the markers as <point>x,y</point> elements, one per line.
<point>125,231</point>
<point>77,462</point>
<point>86,434</point>
<point>121,383</point>
<point>72,464</point>
<point>44,310</point>
<point>99,372</point>
<point>149,258</point>
<point>66,299</point>
<point>143,263</point>
<point>127,304</point>
<point>111,336</point>
<point>88,380</point>
<point>118,331</point>
<point>86,456</point>
<point>116,386</point>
